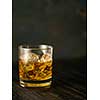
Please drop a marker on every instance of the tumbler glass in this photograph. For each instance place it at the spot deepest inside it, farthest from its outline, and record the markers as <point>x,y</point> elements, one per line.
<point>35,65</point>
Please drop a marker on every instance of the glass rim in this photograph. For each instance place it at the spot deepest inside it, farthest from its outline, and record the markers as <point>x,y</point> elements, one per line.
<point>35,47</point>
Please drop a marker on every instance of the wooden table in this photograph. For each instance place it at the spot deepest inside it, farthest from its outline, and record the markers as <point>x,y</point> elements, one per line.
<point>69,83</point>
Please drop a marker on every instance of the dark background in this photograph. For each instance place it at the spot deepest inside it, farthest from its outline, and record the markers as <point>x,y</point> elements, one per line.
<point>61,23</point>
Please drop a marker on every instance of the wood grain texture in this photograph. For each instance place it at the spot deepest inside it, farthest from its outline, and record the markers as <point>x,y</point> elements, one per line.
<point>69,83</point>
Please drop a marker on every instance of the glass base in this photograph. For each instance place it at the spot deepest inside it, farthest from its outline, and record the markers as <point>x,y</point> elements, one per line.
<point>35,84</point>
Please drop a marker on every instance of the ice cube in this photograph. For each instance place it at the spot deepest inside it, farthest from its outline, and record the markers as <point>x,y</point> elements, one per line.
<point>45,58</point>
<point>25,55</point>
<point>29,57</point>
<point>37,52</point>
<point>33,57</point>
<point>24,58</point>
